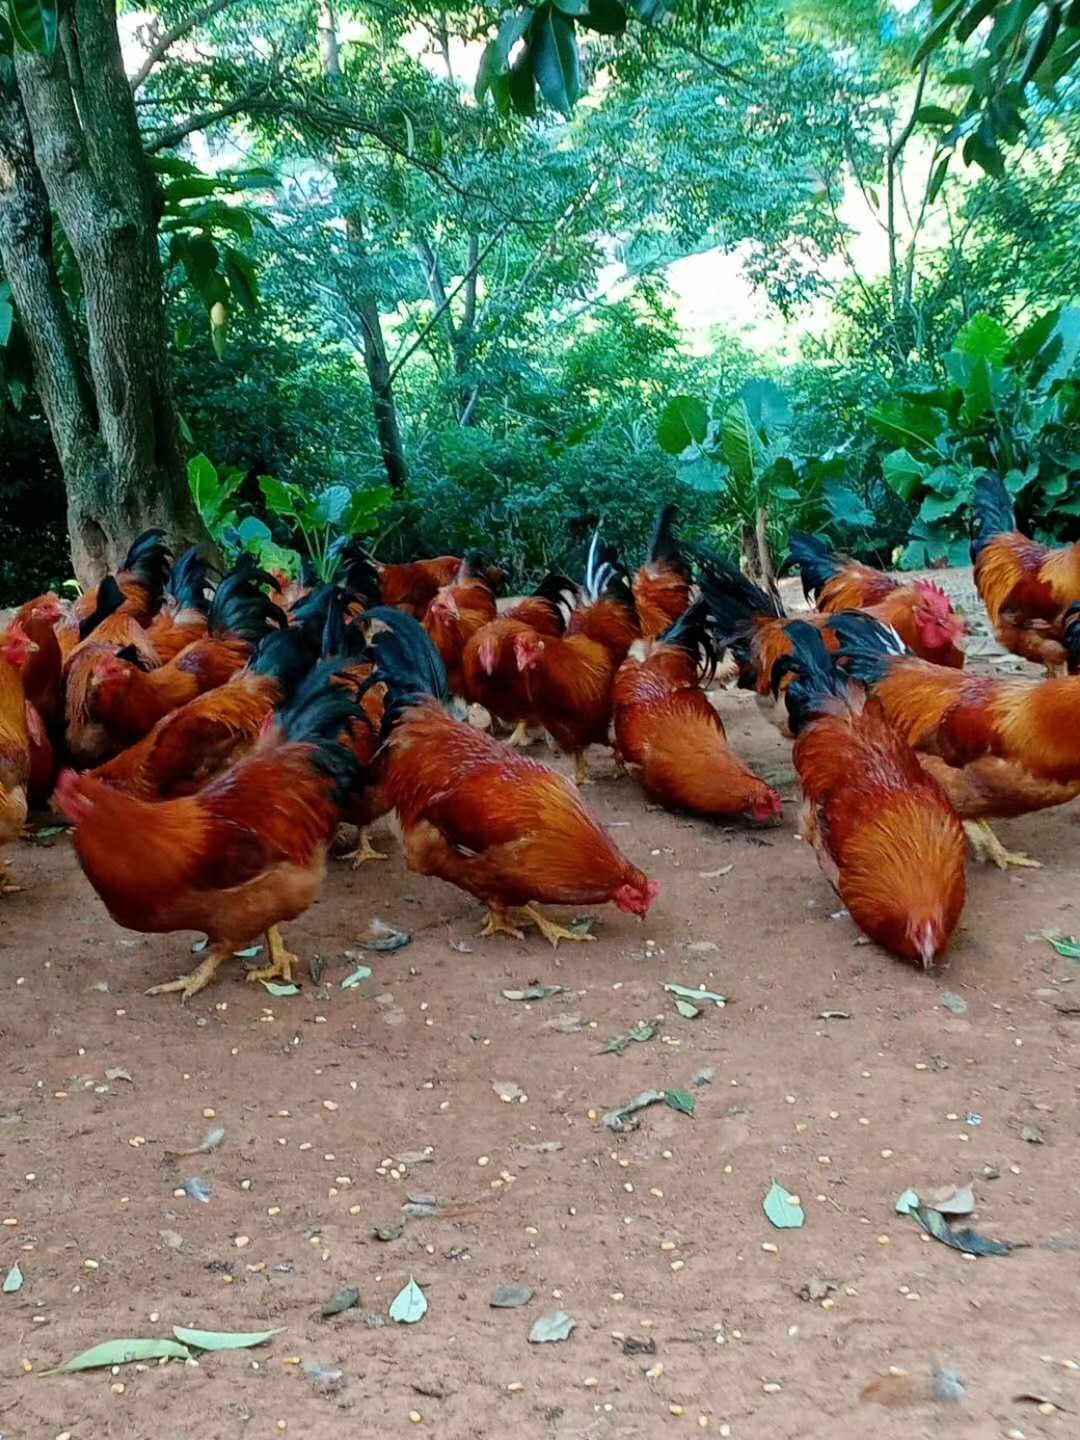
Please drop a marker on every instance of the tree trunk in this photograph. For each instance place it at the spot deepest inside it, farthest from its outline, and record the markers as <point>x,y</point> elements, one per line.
<point>459,336</point>
<point>118,436</point>
<point>366,306</point>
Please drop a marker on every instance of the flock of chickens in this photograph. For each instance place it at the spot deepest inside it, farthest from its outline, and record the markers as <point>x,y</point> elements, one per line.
<point>217,741</point>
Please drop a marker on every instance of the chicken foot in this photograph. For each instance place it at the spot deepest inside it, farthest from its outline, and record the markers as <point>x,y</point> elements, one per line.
<point>531,915</point>
<point>521,738</point>
<point>7,885</point>
<point>188,985</point>
<point>281,960</point>
<point>581,769</point>
<point>497,922</point>
<point>364,851</point>
<point>988,847</point>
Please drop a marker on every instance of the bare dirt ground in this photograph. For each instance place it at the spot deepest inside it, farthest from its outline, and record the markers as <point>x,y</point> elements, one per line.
<point>656,1237</point>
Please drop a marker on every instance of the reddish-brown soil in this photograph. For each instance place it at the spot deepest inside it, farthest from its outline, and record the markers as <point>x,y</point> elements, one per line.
<point>315,1091</point>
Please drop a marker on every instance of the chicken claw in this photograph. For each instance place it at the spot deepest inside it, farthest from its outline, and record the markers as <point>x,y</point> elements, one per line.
<point>364,852</point>
<point>497,923</point>
<point>581,769</point>
<point>988,847</point>
<point>520,739</point>
<point>189,985</point>
<point>281,960</point>
<point>549,929</point>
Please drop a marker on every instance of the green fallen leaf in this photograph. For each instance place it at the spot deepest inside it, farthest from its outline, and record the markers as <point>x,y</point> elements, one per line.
<point>409,1305</point>
<point>224,1339</point>
<point>533,992</point>
<point>782,1210</point>
<point>907,1203</point>
<point>680,1100</point>
<point>13,1281</point>
<point>46,834</point>
<point>1065,946</point>
<point>388,1232</point>
<point>362,972</point>
<point>121,1352</point>
<point>249,953</point>
<point>618,1043</point>
<point>970,1242</point>
<point>699,997</point>
<point>548,1328</point>
<point>691,1012</point>
<point>273,988</point>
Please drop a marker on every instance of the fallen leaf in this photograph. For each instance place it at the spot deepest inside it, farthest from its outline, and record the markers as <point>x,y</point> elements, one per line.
<point>340,1301</point>
<point>622,1119</point>
<point>637,1036</point>
<point>196,1189</point>
<point>680,1100</point>
<point>690,1012</point>
<point>952,1200</point>
<point>533,992</point>
<point>699,997</point>
<point>907,1203</point>
<point>460,947</point>
<point>1066,947</point>
<point>388,1232</point>
<point>631,1346</point>
<point>548,1328</point>
<point>211,1140</point>
<point>248,954</point>
<point>955,1004</point>
<point>545,1147</point>
<point>13,1280</point>
<point>417,1210</point>
<point>121,1352</point>
<point>507,1090</point>
<point>279,991</point>
<point>705,1077</point>
<point>715,874</point>
<point>46,834</point>
<point>511,1297</point>
<point>782,1210</point>
<point>1032,1397</point>
<point>173,1239</point>
<point>1032,1134</point>
<point>323,1375</point>
<point>383,937</point>
<point>565,1024</point>
<point>834,1015</point>
<point>583,925</point>
<point>409,1305</point>
<point>224,1339</point>
<point>118,1074</point>
<point>970,1242</point>
<point>316,965</point>
<point>361,973</point>
<point>414,1157</point>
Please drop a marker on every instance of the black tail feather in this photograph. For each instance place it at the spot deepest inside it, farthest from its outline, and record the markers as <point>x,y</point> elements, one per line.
<point>319,714</point>
<point>816,561</point>
<point>405,661</point>
<point>285,655</point>
<point>355,569</point>
<point>606,577</point>
<point>693,633</point>
<point>867,646</point>
<point>109,599</point>
<point>149,559</point>
<point>1072,638</point>
<point>992,512</point>
<point>188,583</point>
<point>815,679</point>
<point>241,610</point>
<point>664,546</point>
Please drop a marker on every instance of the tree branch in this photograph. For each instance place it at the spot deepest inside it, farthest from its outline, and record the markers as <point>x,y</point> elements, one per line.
<point>175,32</point>
<point>400,359</point>
<point>165,139</point>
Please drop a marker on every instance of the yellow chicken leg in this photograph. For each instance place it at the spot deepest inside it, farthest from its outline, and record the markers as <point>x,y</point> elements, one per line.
<point>7,885</point>
<point>988,847</point>
<point>581,769</point>
<point>496,922</point>
<point>189,985</point>
<point>548,928</point>
<point>520,739</point>
<point>281,960</point>
<point>364,851</point>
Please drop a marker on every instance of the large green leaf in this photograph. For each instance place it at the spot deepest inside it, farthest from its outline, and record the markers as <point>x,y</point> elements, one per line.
<point>704,474</point>
<point>903,473</point>
<point>33,24</point>
<point>555,59</point>
<point>908,423</point>
<point>684,422</point>
<point>360,514</point>
<point>281,499</point>
<point>767,406</point>
<point>741,444</point>
<point>606,17</point>
<point>984,338</point>
<point>242,279</point>
<point>845,506</point>
<point>329,505</point>
<point>203,483</point>
<point>121,1352</point>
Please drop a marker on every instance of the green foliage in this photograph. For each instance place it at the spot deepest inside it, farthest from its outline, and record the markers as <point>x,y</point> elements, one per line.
<point>1008,403</point>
